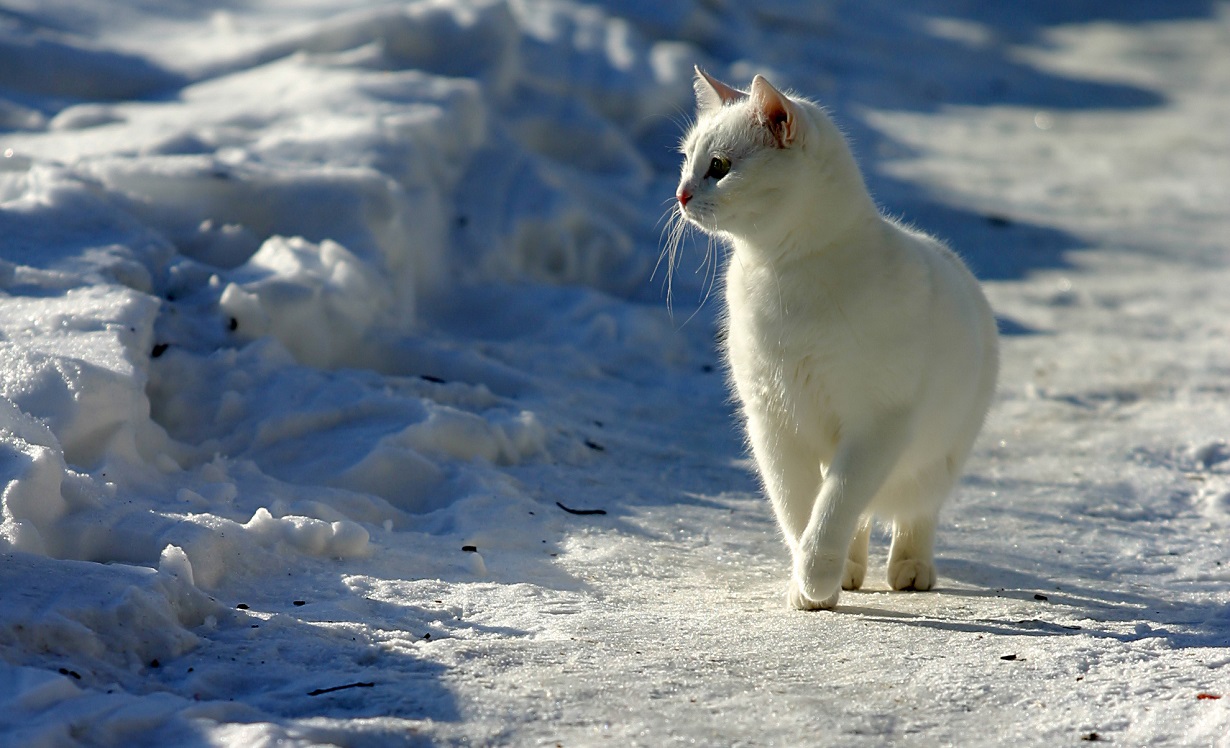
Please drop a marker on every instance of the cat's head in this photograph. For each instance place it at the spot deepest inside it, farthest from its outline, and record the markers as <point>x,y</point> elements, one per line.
<point>744,155</point>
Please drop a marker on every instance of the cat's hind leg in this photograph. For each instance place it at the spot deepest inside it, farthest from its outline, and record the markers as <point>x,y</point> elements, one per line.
<point>911,565</point>
<point>911,562</point>
<point>856,559</point>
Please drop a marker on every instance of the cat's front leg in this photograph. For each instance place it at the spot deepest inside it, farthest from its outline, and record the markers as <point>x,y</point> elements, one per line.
<point>798,601</point>
<point>816,583</point>
<point>853,571</point>
<point>856,474</point>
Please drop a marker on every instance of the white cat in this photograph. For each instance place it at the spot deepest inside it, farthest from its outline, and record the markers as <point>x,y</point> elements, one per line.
<point>864,353</point>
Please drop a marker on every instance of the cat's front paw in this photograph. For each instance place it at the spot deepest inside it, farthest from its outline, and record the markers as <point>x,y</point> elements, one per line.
<point>796,600</point>
<point>911,574</point>
<point>818,578</point>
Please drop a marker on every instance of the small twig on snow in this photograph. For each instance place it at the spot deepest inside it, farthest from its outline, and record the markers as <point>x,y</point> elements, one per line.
<point>321,691</point>
<point>582,512</point>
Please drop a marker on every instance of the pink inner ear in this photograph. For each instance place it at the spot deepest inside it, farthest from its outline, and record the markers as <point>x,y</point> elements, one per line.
<point>711,93</point>
<point>774,110</point>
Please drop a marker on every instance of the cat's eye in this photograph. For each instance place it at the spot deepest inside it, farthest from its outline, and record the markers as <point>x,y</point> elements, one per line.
<point>719,166</point>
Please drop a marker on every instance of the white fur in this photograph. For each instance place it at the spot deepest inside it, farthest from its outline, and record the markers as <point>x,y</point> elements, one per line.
<point>863,352</point>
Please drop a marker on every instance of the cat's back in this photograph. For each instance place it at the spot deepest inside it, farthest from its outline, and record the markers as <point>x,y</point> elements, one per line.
<point>882,320</point>
<point>870,286</point>
<point>956,297</point>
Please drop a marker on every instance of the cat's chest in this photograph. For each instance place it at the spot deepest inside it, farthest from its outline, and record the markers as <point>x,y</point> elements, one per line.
<point>789,346</point>
<point>782,317</point>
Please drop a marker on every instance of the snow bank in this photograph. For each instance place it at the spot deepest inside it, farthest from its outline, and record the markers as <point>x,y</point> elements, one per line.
<point>227,264</point>
<point>312,192</point>
<point>191,266</point>
<point>127,617</point>
<point>317,300</point>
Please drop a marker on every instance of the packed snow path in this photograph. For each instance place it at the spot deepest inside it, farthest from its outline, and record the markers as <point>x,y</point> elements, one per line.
<point>325,336</point>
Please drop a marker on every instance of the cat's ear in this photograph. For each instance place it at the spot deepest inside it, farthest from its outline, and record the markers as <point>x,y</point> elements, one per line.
<point>775,111</point>
<point>711,93</point>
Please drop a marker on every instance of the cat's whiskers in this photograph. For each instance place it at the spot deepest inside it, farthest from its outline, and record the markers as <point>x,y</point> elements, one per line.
<point>673,230</point>
<point>676,226</point>
<point>711,267</point>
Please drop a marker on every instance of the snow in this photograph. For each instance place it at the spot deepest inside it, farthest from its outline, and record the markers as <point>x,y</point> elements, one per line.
<point>313,321</point>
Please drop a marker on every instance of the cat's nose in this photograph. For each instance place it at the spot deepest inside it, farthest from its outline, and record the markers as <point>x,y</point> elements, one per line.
<point>683,196</point>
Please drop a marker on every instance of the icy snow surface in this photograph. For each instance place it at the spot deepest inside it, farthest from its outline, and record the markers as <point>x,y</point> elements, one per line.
<point>314,316</point>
